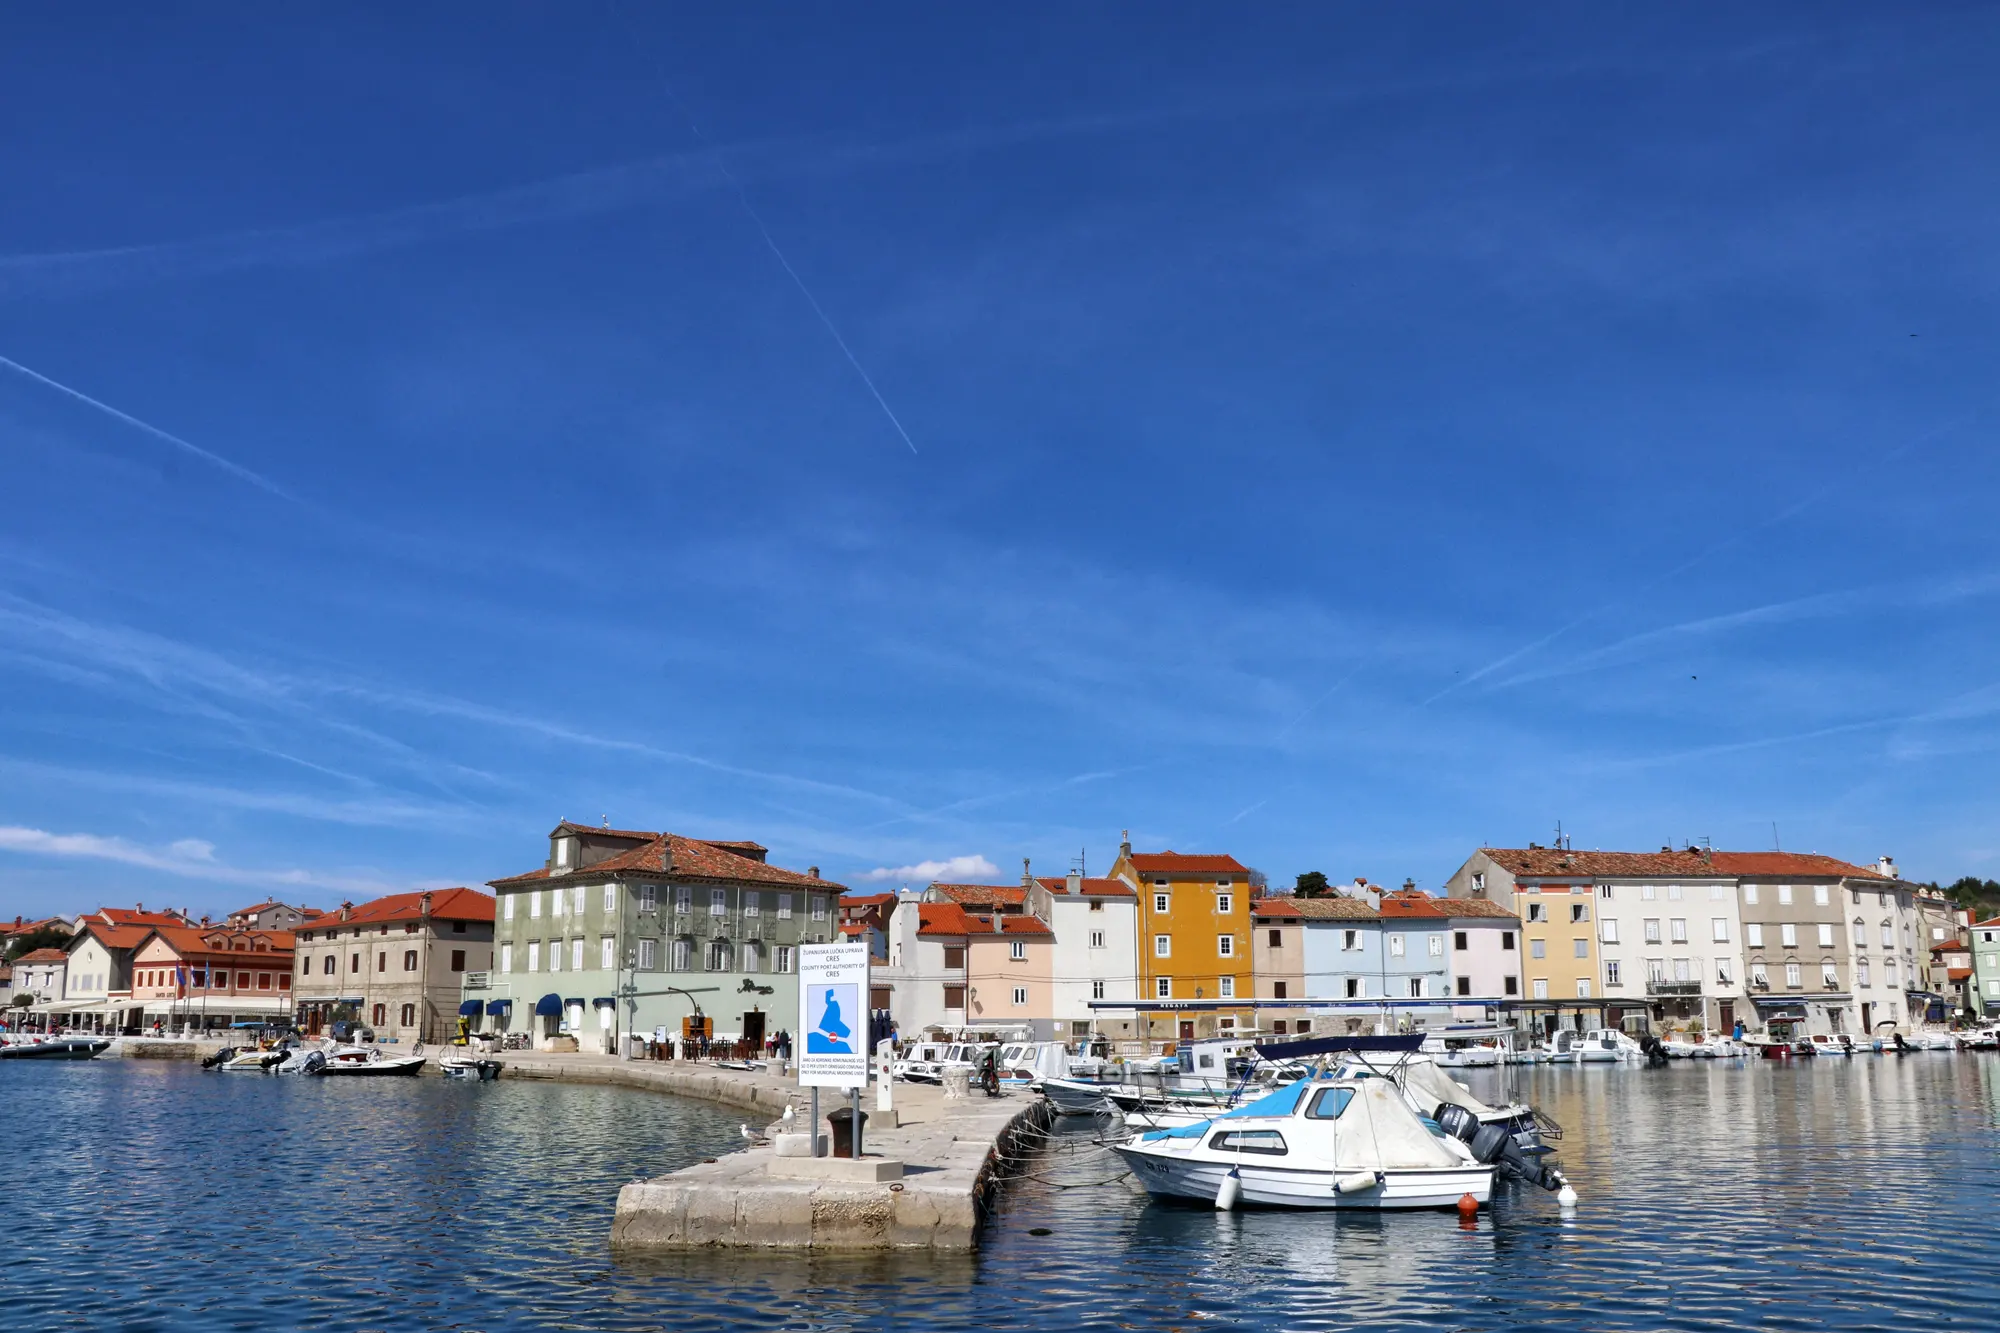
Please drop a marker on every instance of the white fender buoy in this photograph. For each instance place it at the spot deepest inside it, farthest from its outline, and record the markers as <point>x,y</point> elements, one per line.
<point>1356,1181</point>
<point>1231,1191</point>
<point>1566,1196</point>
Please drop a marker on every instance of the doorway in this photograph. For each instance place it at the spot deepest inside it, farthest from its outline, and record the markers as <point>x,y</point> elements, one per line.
<point>753,1030</point>
<point>1187,1029</point>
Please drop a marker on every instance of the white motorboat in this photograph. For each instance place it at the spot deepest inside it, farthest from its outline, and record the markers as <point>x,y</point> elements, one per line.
<point>370,1062</point>
<point>254,1061</point>
<point>1607,1046</point>
<point>1933,1039</point>
<point>1321,1143</point>
<point>472,1068</point>
<point>1836,1043</point>
<point>55,1048</point>
<point>1470,1048</point>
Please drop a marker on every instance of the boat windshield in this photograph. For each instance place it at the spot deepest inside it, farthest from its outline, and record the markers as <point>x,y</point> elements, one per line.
<point>1329,1104</point>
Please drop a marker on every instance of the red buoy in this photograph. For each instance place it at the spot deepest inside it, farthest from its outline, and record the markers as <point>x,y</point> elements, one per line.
<point>1467,1205</point>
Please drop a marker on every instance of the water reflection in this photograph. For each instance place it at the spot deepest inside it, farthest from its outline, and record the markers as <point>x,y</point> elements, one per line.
<point>1815,1194</point>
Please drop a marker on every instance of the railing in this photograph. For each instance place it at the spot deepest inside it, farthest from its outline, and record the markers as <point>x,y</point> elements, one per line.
<point>478,980</point>
<point>1673,988</point>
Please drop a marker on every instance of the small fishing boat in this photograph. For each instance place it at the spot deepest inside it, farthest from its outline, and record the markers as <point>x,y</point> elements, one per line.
<point>370,1062</point>
<point>254,1062</point>
<point>470,1068</point>
<point>1835,1043</point>
<point>1607,1046</point>
<point>1469,1048</point>
<point>1933,1039</point>
<point>1324,1143</point>
<point>56,1048</point>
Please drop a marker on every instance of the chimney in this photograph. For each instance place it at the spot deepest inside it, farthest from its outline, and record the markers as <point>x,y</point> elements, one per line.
<point>1027,880</point>
<point>1124,842</point>
<point>812,872</point>
<point>996,919</point>
<point>1887,866</point>
<point>346,910</point>
<point>424,904</point>
<point>1409,885</point>
<point>1074,883</point>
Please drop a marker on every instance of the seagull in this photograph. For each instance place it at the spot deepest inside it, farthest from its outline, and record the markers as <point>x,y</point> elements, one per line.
<point>789,1115</point>
<point>748,1137</point>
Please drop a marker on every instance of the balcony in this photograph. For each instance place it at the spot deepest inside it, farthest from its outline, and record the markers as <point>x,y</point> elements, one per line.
<point>478,981</point>
<point>1682,989</point>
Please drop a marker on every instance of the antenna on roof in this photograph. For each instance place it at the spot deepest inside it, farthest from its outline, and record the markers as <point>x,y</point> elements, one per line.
<point>1776,846</point>
<point>605,821</point>
<point>1076,865</point>
<point>1561,843</point>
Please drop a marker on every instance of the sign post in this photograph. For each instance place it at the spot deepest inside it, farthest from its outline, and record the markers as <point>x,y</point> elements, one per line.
<point>833,1024</point>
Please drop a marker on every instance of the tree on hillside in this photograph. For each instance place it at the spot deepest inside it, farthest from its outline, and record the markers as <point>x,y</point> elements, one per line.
<point>1975,893</point>
<point>1312,884</point>
<point>47,937</point>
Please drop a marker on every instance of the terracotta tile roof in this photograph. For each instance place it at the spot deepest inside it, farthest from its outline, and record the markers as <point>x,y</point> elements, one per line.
<point>1014,925</point>
<point>193,942</point>
<point>43,956</point>
<point>984,895</point>
<point>571,826</point>
<point>692,859</point>
<point>30,927</point>
<point>853,928</point>
<point>866,899</point>
<point>246,911</point>
<point>446,905</point>
<point>113,937</point>
<point>1981,924</point>
<point>127,916</point>
<point>1957,973</point>
<point>1464,907</point>
<point>1951,946</point>
<point>943,919</point>
<point>1090,888</point>
<point>1556,863</point>
<point>1169,863</point>
<point>1317,909</point>
<point>1404,903</point>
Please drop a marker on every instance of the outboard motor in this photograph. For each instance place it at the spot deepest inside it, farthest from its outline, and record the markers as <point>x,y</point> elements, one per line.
<point>1494,1146</point>
<point>314,1063</point>
<point>220,1058</point>
<point>1655,1049</point>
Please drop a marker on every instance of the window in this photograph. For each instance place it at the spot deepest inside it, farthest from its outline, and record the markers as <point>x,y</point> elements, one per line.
<point>555,955</point>
<point>576,954</point>
<point>753,959</point>
<point>1826,937</point>
<point>1541,988</point>
<point>1829,978</point>
<point>954,997</point>
<point>1607,930</point>
<point>1788,935</point>
<point>1888,936</point>
<point>1656,970</point>
<point>753,903</point>
<point>242,981</point>
<point>1225,946</point>
<point>1096,990</point>
<point>1226,987</point>
<point>1459,943</point>
<point>1222,901</point>
<point>649,897</point>
<point>1760,976</point>
<point>263,981</point>
<point>1793,976</point>
<point>409,1016</point>
<point>1222,884</point>
<point>1652,930</point>
<point>683,955</point>
<point>1395,946</point>
<point>1097,939</point>
<point>1350,939</point>
<point>1583,988</point>
<point>326,968</point>
<point>284,981</point>
<point>1020,996</point>
<point>1329,1103</point>
<point>1538,949</point>
<point>1507,939</point>
<point>1937,932</point>
<point>1674,892</point>
<point>649,955</point>
<point>458,960</point>
<point>718,955</point>
<point>1753,934</point>
<point>1604,890</point>
<point>718,901</point>
<point>1163,988</point>
<point>1511,985</point>
<point>1819,895</point>
<point>1416,988</point>
<point>1677,930</point>
<point>954,955</point>
<point>1611,973</point>
<point>1579,912</point>
<point>1717,892</point>
<point>607,953</point>
<point>1277,990</point>
<point>1437,946</point>
<point>1724,973</point>
<point>1889,972</point>
<point>784,907</point>
<point>1479,881</point>
<point>534,955</point>
<point>684,899</point>
<point>818,907</point>
<point>1353,988</point>
<point>1159,902</point>
<point>1465,985</point>
<point>562,853</point>
<point>1784,895</point>
<point>1861,972</point>
<point>409,960</point>
<point>1582,948</point>
<point>576,901</point>
<point>506,908</point>
<point>1160,883</point>
<point>1538,912</point>
<point>1163,946</point>
<point>382,962</point>
<point>1682,972</point>
<point>781,958</point>
<point>1017,949</point>
<point>1750,894</point>
<point>534,903</point>
<point>381,1015</point>
<point>1718,929</point>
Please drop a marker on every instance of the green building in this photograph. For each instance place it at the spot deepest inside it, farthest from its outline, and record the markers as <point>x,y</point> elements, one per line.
<point>1985,938</point>
<point>622,931</point>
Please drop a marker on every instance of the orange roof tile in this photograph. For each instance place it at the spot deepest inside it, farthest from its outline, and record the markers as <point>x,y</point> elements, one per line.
<point>43,956</point>
<point>1167,863</point>
<point>1336,908</point>
<point>984,895</point>
<point>944,919</point>
<point>1559,863</point>
<point>1412,903</point>
<point>1089,888</point>
<point>446,905</point>
<point>672,856</point>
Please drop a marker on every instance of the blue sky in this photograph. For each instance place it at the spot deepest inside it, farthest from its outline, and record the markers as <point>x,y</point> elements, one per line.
<point>1334,438</point>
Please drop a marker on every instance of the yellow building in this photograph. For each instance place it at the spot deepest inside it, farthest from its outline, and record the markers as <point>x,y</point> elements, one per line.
<point>1194,939</point>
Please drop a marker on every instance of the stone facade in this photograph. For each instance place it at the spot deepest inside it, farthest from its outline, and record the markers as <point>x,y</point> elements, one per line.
<point>397,964</point>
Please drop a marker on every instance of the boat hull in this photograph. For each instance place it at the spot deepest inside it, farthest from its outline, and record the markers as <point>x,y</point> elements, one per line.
<point>55,1050</point>
<point>1263,1186</point>
<point>373,1069</point>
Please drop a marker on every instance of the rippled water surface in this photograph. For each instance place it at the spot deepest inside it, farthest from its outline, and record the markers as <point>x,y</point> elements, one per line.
<point>151,1196</point>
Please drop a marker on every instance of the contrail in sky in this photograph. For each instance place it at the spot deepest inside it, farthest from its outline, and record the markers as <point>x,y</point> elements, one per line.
<point>236,470</point>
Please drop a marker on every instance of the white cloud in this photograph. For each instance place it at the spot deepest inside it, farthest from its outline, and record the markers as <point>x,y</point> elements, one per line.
<point>189,857</point>
<point>952,868</point>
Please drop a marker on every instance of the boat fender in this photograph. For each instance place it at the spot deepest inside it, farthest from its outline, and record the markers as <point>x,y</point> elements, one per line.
<point>1231,1191</point>
<point>1356,1181</point>
<point>1566,1196</point>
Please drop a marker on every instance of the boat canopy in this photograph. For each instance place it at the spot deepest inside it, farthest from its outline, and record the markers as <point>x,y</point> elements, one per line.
<point>468,1008</point>
<point>549,1006</point>
<point>1282,1102</point>
<point>498,1006</point>
<point>1292,1050</point>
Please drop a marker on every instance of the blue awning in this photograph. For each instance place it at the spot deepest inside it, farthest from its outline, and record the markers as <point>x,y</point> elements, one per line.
<point>549,1006</point>
<point>574,1002</point>
<point>498,1006</point>
<point>468,1008</point>
<point>605,1002</point>
<point>1282,1102</point>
